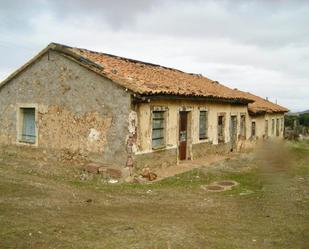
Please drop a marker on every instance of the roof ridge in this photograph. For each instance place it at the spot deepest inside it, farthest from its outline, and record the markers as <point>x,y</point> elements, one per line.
<point>131,60</point>
<point>166,80</point>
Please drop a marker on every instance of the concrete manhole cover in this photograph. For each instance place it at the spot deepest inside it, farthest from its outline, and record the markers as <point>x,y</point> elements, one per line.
<point>220,186</point>
<point>227,183</point>
<point>215,188</point>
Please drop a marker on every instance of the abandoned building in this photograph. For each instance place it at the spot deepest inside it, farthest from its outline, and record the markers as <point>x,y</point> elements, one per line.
<point>127,112</point>
<point>266,118</point>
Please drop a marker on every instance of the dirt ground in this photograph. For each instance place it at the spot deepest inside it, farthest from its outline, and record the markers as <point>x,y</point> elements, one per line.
<point>54,205</point>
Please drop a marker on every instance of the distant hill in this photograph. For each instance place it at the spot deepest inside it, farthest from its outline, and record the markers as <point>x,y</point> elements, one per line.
<point>303,112</point>
<point>297,113</point>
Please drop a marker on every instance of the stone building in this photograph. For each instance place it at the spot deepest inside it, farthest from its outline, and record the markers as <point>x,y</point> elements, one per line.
<point>126,112</point>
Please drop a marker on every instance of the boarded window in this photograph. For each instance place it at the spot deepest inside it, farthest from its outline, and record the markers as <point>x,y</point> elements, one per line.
<point>253,129</point>
<point>158,129</point>
<point>203,125</point>
<point>243,126</point>
<point>28,129</point>
<point>266,128</point>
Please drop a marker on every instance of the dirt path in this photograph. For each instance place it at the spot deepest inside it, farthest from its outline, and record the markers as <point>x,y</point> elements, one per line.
<point>49,206</point>
<point>185,166</point>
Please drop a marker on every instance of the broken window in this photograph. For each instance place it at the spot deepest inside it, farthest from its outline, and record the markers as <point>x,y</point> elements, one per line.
<point>253,129</point>
<point>272,127</point>
<point>243,126</point>
<point>203,125</point>
<point>221,124</point>
<point>158,129</point>
<point>27,125</point>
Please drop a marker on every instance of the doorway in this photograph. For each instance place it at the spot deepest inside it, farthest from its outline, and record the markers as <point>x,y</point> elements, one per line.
<point>233,132</point>
<point>183,134</point>
<point>221,127</point>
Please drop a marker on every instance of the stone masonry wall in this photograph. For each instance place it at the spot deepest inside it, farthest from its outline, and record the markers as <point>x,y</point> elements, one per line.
<point>78,110</point>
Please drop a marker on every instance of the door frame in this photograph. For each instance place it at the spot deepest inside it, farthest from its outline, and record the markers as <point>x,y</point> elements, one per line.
<point>189,155</point>
<point>223,114</point>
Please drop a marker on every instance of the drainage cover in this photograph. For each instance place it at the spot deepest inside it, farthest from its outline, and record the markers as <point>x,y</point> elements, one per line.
<point>214,188</point>
<point>226,183</point>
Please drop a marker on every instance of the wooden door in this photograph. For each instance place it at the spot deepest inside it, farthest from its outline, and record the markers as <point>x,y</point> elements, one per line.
<point>183,121</point>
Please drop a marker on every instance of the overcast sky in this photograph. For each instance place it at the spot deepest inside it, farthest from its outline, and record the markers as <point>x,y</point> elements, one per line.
<point>257,46</point>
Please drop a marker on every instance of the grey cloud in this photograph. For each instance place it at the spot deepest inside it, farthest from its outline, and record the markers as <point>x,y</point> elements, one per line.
<point>272,24</point>
<point>259,46</point>
<point>14,14</point>
<point>116,13</point>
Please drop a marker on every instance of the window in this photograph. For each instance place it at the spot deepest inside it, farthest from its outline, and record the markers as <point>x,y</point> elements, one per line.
<point>243,126</point>
<point>221,125</point>
<point>253,129</point>
<point>203,125</point>
<point>277,127</point>
<point>272,127</point>
<point>27,125</point>
<point>266,128</point>
<point>158,129</point>
<point>282,124</point>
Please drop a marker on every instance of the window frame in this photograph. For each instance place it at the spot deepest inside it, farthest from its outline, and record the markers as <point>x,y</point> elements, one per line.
<point>20,124</point>
<point>273,126</point>
<point>163,128</point>
<point>242,130</point>
<point>266,128</point>
<point>223,126</point>
<point>253,122</point>
<point>277,127</point>
<point>205,137</point>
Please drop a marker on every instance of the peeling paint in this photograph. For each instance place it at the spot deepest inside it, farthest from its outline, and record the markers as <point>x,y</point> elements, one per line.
<point>132,122</point>
<point>94,135</point>
<point>59,128</point>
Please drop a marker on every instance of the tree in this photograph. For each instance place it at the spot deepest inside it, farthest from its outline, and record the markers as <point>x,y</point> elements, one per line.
<point>304,119</point>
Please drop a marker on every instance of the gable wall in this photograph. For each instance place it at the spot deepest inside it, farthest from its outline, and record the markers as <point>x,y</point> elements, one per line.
<point>78,110</point>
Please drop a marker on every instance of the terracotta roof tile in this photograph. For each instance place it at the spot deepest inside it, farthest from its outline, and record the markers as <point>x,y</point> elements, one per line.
<point>261,105</point>
<point>149,79</point>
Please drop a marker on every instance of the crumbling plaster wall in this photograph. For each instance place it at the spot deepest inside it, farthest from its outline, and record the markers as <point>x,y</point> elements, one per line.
<point>260,125</point>
<point>78,110</point>
<point>172,122</point>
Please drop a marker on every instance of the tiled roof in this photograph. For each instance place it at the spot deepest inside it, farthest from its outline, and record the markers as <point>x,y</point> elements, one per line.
<point>261,106</point>
<point>150,79</point>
